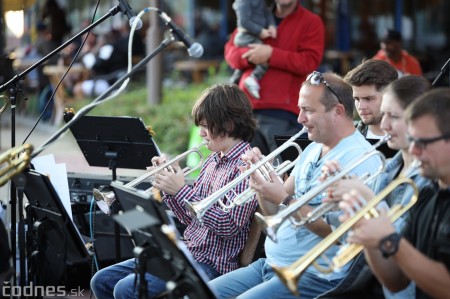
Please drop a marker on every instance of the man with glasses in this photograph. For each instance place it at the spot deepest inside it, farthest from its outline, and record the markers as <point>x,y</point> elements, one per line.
<point>421,253</point>
<point>368,81</point>
<point>326,110</point>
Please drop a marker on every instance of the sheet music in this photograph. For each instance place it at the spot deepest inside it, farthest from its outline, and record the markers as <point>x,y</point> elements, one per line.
<point>57,173</point>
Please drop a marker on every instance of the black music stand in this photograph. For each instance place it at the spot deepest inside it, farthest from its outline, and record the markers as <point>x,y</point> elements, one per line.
<point>115,142</point>
<point>290,154</point>
<point>159,250</point>
<point>57,244</point>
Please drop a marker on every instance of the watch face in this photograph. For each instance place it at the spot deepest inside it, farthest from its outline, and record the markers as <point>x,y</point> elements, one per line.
<point>389,244</point>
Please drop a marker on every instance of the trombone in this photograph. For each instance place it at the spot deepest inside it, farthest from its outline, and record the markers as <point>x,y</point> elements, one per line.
<point>291,274</point>
<point>14,161</point>
<point>272,223</point>
<point>198,209</point>
<point>105,199</point>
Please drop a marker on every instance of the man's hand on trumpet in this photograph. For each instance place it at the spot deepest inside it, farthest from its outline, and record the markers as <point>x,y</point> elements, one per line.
<point>335,192</point>
<point>167,180</point>
<point>367,232</point>
<point>271,190</point>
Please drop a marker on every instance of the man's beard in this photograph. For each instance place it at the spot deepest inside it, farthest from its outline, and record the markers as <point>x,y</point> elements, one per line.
<point>373,121</point>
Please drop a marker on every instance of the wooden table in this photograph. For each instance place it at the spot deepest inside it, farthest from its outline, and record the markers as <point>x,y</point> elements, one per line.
<point>55,73</point>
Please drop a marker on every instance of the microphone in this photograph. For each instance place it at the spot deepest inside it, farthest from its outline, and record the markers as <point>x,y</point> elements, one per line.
<point>194,49</point>
<point>126,9</point>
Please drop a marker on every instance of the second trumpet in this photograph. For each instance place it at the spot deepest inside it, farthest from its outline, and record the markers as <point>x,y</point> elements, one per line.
<point>105,199</point>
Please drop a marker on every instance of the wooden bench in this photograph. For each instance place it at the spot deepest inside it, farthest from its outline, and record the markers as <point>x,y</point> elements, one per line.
<point>196,67</point>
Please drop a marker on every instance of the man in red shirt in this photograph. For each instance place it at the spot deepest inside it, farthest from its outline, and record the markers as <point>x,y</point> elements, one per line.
<point>292,55</point>
<point>392,52</point>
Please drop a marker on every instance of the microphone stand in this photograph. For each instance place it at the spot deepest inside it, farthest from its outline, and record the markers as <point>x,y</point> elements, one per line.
<point>444,70</point>
<point>14,89</point>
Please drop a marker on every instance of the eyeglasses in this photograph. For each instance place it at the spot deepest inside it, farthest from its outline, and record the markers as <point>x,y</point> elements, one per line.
<point>315,78</point>
<point>423,142</point>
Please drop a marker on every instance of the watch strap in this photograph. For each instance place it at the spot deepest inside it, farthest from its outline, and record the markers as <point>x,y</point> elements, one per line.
<point>287,200</point>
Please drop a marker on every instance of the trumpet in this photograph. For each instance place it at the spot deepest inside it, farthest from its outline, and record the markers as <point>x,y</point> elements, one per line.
<point>5,104</point>
<point>271,224</point>
<point>14,161</point>
<point>105,199</point>
<point>291,274</point>
<point>263,167</point>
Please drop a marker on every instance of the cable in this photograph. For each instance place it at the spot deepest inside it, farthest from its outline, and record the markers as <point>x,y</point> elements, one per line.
<point>92,235</point>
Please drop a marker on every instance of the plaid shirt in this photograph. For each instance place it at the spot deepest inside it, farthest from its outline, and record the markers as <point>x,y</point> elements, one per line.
<point>222,236</point>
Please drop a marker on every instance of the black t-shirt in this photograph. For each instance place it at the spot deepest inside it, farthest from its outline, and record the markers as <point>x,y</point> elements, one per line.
<point>428,227</point>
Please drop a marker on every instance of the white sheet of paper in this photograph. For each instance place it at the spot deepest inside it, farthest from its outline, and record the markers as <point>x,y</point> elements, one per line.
<point>57,174</point>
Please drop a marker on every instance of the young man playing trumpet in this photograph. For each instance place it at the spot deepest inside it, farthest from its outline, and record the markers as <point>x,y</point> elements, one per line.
<point>224,115</point>
<point>326,110</point>
<point>421,252</point>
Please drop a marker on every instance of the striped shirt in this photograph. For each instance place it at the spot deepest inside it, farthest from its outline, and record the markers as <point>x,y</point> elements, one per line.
<point>222,236</point>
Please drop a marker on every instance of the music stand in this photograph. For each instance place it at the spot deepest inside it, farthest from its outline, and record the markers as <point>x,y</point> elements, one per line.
<point>159,250</point>
<point>57,242</point>
<point>290,154</point>
<point>115,142</point>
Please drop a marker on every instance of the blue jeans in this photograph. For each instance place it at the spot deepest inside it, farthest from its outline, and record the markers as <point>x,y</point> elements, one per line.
<point>119,281</point>
<point>259,281</point>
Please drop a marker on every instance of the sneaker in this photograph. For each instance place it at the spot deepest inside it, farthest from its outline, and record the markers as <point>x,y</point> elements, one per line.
<point>252,86</point>
<point>234,79</point>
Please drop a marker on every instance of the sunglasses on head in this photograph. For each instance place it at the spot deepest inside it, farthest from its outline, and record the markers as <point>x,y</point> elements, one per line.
<point>315,78</point>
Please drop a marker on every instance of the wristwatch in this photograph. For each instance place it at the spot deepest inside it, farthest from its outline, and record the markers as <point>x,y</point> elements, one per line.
<point>389,244</point>
<point>284,204</point>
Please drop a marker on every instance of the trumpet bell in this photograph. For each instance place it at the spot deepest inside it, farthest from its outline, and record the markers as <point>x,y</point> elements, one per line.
<point>104,198</point>
<point>14,161</point>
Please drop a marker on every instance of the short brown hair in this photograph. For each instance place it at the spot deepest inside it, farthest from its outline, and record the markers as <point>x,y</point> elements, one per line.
<point>436,103</point>
<point>226,110</point>
<point>372,72</point>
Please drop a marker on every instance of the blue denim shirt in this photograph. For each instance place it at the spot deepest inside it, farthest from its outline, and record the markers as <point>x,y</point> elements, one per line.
<point>296,242</point>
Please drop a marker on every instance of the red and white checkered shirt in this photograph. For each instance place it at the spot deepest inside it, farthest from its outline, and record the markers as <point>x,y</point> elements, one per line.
<point>222,236</point>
